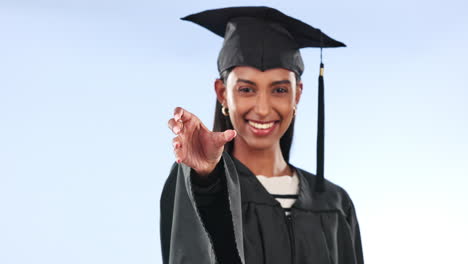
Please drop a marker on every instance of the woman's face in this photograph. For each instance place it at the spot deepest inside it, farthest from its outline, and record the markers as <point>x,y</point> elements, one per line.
<point>260,104</point>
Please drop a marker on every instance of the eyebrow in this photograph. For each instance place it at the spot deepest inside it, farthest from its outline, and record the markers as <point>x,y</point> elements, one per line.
<point>246,81</point>
<point>281,82</point>
<point>273,83</point>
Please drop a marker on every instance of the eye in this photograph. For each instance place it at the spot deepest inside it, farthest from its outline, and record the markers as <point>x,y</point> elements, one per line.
<point>245,89</point>
<point>281,90</point>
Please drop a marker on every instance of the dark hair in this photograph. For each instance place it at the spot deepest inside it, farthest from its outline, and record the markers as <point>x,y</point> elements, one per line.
<point>222,123</point>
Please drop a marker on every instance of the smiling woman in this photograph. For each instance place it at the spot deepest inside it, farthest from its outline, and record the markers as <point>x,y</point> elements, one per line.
<point>261,108</point>
<point>222,123</point>
<point>233,196</point>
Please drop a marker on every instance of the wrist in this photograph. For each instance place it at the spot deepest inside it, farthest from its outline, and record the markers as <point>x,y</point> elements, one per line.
<point>208,169</point>
<point>208,178</point>
<point>205,171</point>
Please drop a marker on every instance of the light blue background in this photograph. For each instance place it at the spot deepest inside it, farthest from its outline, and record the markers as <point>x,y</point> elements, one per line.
<point>87,87</point>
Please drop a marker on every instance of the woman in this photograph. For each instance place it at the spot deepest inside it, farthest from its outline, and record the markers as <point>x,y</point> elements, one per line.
<point>232,196</point>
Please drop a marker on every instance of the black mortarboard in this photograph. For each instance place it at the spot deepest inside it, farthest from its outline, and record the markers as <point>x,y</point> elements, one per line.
<point>265,38</point>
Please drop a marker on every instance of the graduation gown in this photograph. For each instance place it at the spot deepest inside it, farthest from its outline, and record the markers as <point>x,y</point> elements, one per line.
<point>235,220</point>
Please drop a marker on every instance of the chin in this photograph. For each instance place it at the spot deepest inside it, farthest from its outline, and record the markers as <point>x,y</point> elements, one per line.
<point>261,144</point>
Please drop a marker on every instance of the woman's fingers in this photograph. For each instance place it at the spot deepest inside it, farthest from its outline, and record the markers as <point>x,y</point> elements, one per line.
<point>175,126</point>
<point>229,135</point>
<point>182,114</point>
<point>178,150</point>
<point>221,138</point>
<point>195,145</point>
<point>182,118</point>
<point>176,143</point>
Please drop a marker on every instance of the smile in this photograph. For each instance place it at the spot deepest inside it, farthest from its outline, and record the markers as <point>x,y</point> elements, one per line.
<point>262,129</point>
<point>261,125</point>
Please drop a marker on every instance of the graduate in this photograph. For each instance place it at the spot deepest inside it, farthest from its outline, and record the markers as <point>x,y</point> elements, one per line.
<point>232,196</point>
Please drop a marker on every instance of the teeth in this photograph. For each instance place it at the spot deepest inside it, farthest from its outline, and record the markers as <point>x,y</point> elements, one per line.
<point>261,126</point>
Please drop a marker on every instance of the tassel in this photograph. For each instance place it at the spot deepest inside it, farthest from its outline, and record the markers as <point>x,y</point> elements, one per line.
<point>319,187</point>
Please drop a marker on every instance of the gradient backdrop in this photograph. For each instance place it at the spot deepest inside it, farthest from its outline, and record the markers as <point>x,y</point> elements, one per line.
<point>87,88</point>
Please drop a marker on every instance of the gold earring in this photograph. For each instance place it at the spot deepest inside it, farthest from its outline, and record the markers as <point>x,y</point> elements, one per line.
<point>294,111</point>
<point>224,110</point>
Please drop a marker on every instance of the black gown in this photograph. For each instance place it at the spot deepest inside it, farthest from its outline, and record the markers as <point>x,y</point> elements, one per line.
<point>233,219</point>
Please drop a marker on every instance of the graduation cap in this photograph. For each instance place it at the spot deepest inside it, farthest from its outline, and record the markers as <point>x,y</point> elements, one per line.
<point>265,38</point>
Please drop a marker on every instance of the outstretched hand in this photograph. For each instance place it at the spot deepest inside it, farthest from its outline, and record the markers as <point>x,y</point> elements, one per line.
<point>195,145</point>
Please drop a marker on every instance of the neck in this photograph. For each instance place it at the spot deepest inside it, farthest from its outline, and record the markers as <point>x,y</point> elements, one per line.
<point>266,161</point>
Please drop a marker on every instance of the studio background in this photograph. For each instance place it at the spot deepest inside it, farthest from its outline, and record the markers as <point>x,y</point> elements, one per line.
<point>87,88</point>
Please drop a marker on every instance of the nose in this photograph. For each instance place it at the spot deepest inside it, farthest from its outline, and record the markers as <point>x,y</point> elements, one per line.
<point>262,105</point>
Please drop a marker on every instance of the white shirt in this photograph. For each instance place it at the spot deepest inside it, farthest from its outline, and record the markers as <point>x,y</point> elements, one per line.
<point>284,189</point>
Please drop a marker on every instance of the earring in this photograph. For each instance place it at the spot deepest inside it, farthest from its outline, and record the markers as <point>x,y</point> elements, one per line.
<point>294,111</point>
<point>224,110</point>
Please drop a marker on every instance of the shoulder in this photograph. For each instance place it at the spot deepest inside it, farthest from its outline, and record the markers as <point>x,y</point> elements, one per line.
<point>334,197</point>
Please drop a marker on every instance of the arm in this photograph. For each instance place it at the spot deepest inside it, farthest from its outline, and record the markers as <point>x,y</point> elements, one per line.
<point>199,217</point>
<point>207,188</point>
<point>211,197</point>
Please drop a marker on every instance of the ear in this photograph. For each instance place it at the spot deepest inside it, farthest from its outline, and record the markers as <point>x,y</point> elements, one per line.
<point>220,90</point>
<point>298,92</point>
